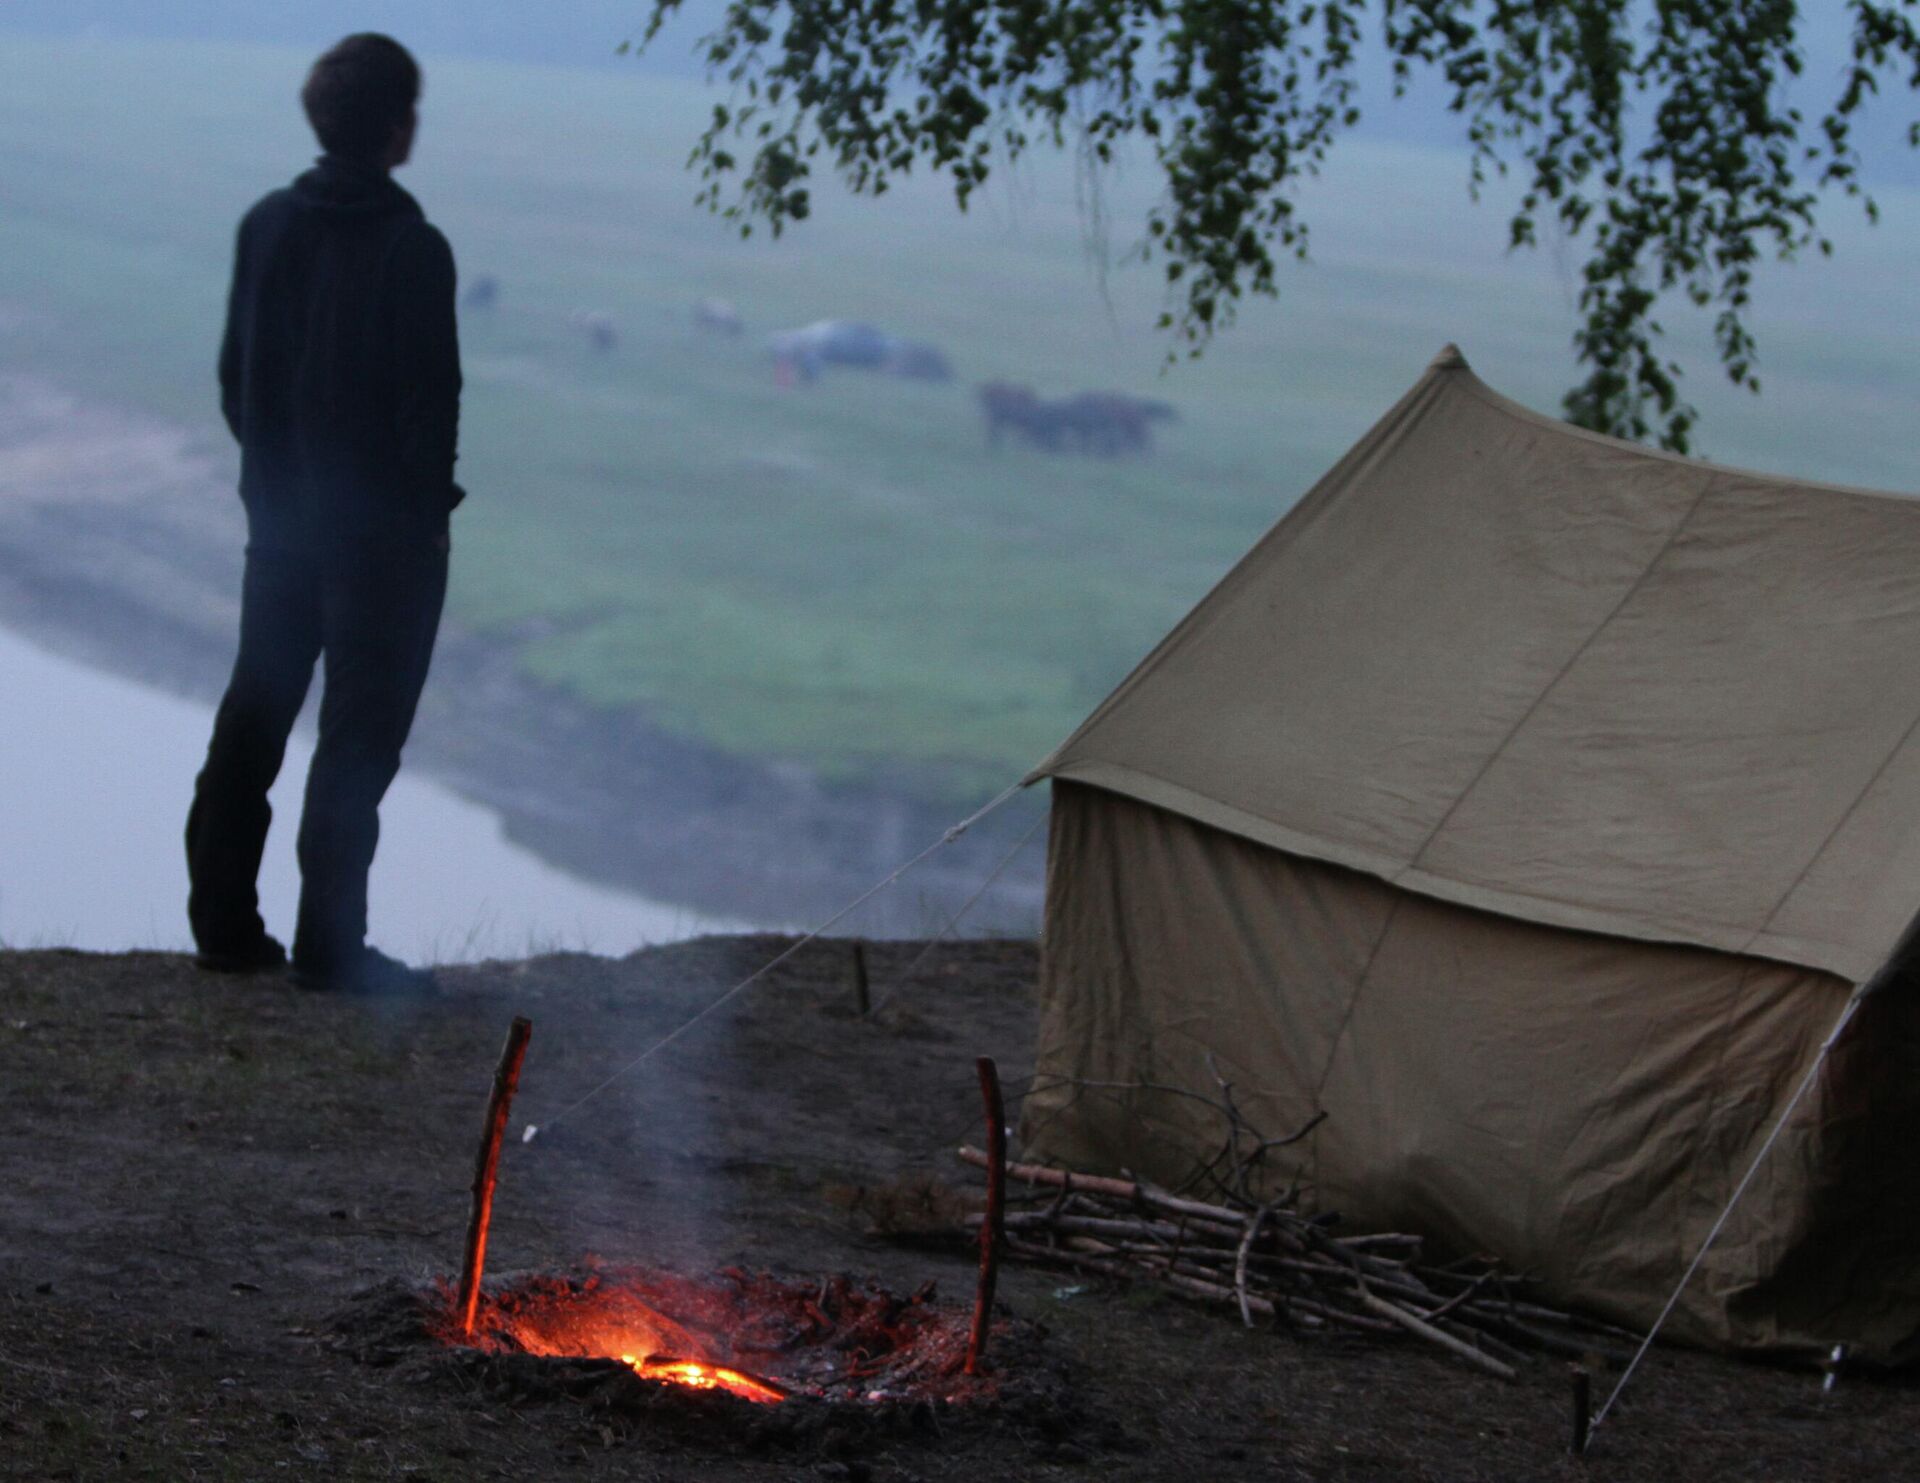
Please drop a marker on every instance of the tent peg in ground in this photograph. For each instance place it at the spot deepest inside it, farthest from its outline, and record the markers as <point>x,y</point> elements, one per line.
<point>862,984</point>
<point>1582,1409</point>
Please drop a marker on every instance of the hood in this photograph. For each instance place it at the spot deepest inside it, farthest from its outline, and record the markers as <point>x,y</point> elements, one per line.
<point>347,188</point>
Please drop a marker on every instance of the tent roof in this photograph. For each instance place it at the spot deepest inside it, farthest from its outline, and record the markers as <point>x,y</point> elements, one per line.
<point>1505,662</point>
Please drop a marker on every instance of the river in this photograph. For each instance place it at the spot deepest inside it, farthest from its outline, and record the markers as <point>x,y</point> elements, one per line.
<point>95,775</point>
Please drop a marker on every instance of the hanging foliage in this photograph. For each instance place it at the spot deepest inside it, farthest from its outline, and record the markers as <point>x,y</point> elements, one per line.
<point>1654,133</point>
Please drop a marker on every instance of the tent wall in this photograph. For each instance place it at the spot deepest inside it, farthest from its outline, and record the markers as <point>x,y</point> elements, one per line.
<point>1580,1105</point>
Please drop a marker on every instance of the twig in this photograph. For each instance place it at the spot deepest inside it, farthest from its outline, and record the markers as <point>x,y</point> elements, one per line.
<point>1399,1315</point>
<point>1458,1298</point>
<point>1122,1189</point>
<point>1269,1258</point>
<point>1254,1222</point>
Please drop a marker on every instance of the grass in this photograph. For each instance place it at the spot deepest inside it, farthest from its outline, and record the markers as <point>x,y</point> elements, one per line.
<point>838,576</point>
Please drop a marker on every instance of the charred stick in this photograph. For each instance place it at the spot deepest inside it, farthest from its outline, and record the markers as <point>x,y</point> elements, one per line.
<point>993,1228</point>
<point>487,1170</point>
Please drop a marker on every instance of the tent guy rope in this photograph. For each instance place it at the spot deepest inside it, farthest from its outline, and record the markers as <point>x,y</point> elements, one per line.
<point>533,1130</point>
<point>953,921</point>
<point>1806,1083</point>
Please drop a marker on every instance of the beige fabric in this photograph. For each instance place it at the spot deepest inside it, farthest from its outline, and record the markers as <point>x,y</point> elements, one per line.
<point>1580,1104</point>
<point>1505,663</point>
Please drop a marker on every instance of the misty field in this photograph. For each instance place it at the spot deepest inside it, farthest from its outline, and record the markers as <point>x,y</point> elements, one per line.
<point>839,574</point>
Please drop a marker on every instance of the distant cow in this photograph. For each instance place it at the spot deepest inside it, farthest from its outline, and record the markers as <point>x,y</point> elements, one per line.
<point>1110,423</point>
<point>1017,410</point>
<point>718,317</point>
<point>1104,423</point>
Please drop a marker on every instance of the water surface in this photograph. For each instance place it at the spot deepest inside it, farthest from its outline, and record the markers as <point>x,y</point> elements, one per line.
<point>95,776</point>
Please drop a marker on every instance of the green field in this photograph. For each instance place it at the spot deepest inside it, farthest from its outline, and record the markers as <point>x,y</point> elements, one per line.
<point>837,575</point>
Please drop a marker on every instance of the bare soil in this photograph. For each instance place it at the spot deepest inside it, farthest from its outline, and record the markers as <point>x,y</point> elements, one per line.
<point>199,1176</point>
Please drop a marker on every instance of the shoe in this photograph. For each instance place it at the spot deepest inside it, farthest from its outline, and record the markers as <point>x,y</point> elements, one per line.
<point>364,971</point>
<point>263,955</point>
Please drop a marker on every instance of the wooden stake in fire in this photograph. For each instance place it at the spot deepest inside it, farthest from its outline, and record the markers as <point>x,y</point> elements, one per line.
<point>993,1228</point>
<point>486,1170</point>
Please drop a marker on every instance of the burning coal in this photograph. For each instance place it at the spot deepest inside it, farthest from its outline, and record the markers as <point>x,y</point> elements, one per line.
<point>750,1334</point>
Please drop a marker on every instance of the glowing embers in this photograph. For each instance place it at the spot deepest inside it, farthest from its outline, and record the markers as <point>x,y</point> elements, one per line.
<point>748,1334</point>
<point>697,1376</point>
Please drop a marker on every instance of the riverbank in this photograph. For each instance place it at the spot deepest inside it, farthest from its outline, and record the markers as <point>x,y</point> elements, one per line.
<point>204,1172</point>
<point>120,542</point>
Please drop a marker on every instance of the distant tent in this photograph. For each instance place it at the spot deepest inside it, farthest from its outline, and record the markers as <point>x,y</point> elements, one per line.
<point>1529,801</point>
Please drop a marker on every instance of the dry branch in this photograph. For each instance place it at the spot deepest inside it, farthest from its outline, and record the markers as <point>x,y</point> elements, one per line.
<point>1422,1329</point>
<point>1263,1258</point>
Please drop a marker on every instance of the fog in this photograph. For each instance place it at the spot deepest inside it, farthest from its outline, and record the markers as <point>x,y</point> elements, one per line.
<point>720,650</point>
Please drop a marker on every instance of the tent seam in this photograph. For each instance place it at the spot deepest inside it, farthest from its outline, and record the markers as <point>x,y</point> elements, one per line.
<point>1353,1001</point>
<point>1716,1087</point>
<point>1846,817</point>
<point>1565,669</point>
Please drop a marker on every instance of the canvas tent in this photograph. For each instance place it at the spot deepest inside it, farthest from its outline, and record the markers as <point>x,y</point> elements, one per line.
<point>1530,803</point>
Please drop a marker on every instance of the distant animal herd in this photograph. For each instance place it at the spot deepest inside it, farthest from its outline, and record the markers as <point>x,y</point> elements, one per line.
<point>1100,424</point>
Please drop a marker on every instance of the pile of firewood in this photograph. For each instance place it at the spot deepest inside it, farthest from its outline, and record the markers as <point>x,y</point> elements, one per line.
<point>1271,1262</point>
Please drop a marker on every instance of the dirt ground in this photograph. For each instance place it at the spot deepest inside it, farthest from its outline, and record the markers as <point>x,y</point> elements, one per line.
<point>197,1175</point>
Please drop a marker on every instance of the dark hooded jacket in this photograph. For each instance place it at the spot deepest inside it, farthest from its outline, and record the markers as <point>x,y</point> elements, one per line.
<point>340,368</point>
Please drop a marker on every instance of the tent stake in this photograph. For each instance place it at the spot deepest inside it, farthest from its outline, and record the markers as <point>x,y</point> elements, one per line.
<point>992,1229</point>
<point>1902,954</point>
<point>487,1169</point>
<point>1582,1410</point>
<point>862,988</point>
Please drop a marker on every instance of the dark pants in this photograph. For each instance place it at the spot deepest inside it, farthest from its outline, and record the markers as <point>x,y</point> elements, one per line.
<point>373,619</point>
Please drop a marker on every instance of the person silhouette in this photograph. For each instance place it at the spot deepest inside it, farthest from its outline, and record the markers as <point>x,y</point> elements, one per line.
<point>340,379</point>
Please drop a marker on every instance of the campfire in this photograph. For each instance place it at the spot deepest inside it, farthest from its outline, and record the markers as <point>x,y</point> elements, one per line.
<point>753,1335</point>
<point>750,1335</point>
